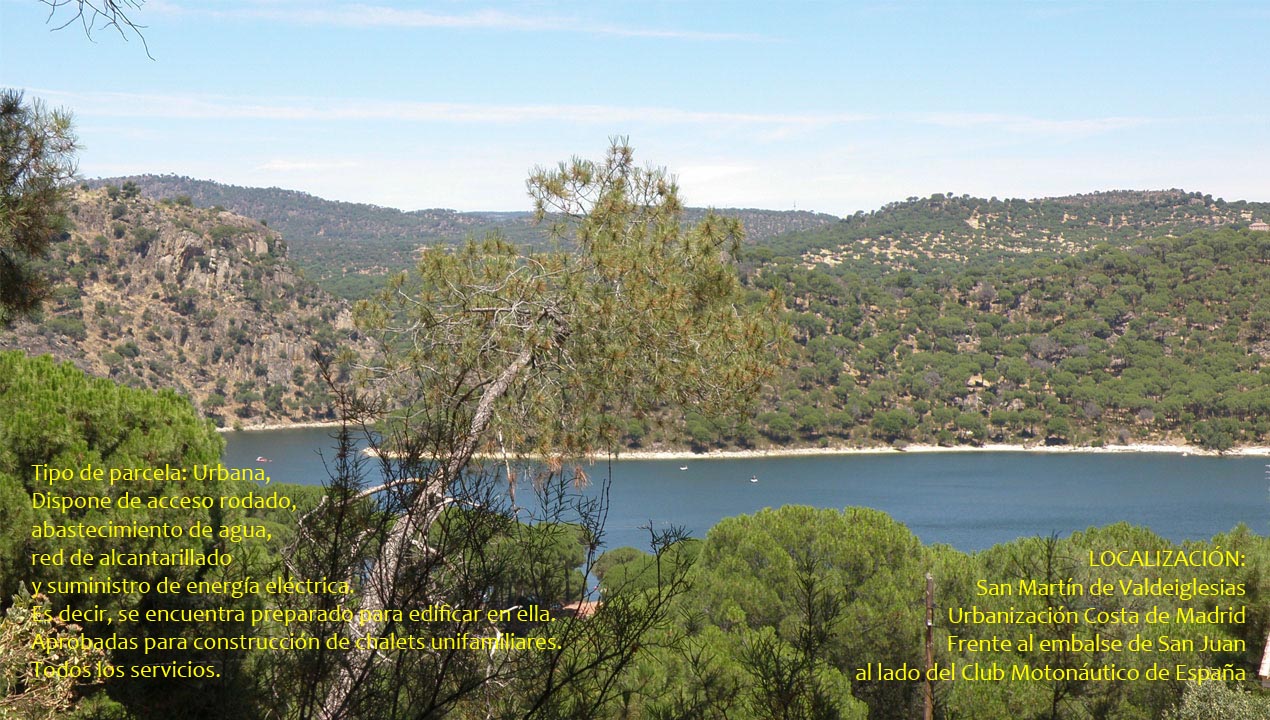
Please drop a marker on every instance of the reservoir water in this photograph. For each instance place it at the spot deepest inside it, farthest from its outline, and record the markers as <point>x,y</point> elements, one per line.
<point>968,500</point>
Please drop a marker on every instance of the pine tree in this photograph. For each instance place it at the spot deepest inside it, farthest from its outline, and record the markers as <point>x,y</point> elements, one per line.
<point>37,160</point>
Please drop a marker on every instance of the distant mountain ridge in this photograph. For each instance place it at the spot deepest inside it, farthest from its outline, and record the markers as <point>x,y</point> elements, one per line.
<point>923,234</point>
<point>348,247</point>
<point>329,239</point>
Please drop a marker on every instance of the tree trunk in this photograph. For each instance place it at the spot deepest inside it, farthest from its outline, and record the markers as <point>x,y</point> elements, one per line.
<point>415,522</point>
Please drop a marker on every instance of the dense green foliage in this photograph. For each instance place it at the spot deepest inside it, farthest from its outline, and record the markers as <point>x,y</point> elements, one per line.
<point>1161,341</point>
<point>52,414</point>
<point>787,606</point>
<point>1216,701</point>
<point>37,159</point>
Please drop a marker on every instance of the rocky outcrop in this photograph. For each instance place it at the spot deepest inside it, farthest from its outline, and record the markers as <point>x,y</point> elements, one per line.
<point>164,294</point>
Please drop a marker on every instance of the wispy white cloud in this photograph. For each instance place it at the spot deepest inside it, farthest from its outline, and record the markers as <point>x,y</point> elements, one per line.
<point>693,174</point>
<point>1024,124</point>
<point>280,165</point>
<point>379,16</point>
<point>770,126</point>
<point>217,107</point>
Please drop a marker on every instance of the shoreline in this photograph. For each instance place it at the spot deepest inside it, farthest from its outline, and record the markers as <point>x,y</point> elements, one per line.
<point>265,427</point>
<point>1183,450</point>
<point>1133,448</point>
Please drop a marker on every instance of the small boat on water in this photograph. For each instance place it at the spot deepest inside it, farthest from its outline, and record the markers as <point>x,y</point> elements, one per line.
<point>754,478</point>
<point>683,467</point>
<point>262,459</point>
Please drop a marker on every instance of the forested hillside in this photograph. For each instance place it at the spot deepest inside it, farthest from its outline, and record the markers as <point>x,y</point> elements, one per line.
<point>1164,340</point>
<point>1093,319</point>
<point>943,231</point>
<point>348,248</point>
<point>166,295</point>
<point>1089,320</point>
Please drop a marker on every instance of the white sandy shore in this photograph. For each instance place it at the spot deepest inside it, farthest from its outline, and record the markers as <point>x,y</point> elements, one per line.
<point>807,451</point>
<point>684,455</point>
<point>281,426</point>
<point>1250,451</point>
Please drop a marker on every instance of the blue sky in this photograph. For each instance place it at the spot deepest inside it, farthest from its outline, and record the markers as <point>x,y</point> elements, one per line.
<point>834,107</point>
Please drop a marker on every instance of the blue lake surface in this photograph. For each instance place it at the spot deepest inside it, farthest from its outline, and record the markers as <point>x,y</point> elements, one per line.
<point>968,500</point>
